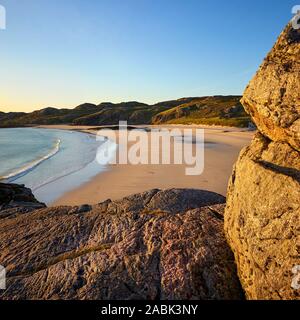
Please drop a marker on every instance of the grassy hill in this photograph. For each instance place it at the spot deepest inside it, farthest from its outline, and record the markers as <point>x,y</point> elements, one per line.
<point>217,110</point>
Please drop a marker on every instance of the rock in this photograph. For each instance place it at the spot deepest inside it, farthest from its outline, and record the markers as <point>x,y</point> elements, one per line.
<point>14,195</point>
<point>169,201</point>
<point>273,96</point>
<point>262,218</point>
<point>156,245</point>
<point>81,209</point>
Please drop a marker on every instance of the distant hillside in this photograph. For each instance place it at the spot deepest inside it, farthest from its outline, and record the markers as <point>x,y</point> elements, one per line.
<point>218,110</point>
<point>109,113</point>
<point>47,116</point>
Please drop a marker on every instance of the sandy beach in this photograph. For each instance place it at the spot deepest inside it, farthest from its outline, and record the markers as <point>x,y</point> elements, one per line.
<point>122,180</point>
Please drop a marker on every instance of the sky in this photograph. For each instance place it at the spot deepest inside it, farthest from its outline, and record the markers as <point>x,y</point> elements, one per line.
<point>61,53</point>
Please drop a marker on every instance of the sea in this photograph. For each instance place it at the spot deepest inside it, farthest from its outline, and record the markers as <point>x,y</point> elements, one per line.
<point>48,161</point>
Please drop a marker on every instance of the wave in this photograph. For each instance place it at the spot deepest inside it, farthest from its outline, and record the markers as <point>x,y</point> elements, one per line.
<point>111,151</point>
<point>32,165</point>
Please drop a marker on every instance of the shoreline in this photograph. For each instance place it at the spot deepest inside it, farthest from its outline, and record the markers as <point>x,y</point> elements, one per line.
<point>11,177</point>
<point>50,177</point>
<point>119,181</point>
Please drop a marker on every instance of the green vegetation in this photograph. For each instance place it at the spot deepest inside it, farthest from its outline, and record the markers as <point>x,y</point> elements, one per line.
<point>216,110</point>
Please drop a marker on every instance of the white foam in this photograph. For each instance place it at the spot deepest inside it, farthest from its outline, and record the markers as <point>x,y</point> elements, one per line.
<point>29,167</point>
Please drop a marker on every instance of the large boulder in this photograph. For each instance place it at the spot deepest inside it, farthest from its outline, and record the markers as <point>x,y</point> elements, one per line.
<point>273,96</point>
<point>262,220</point>
<point>156,245</point>
<point>262,216</point>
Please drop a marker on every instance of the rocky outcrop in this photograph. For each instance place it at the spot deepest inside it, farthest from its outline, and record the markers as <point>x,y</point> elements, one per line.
<point>155,245</point>
<point>273,96</point>
<point>262,216</point>
<point>17,196</point>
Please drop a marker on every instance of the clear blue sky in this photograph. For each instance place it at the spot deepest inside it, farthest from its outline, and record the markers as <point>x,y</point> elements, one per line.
<point>65,52</point>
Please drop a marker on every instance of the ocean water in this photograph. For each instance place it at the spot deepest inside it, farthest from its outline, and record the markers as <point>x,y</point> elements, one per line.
<point>50,162</point>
